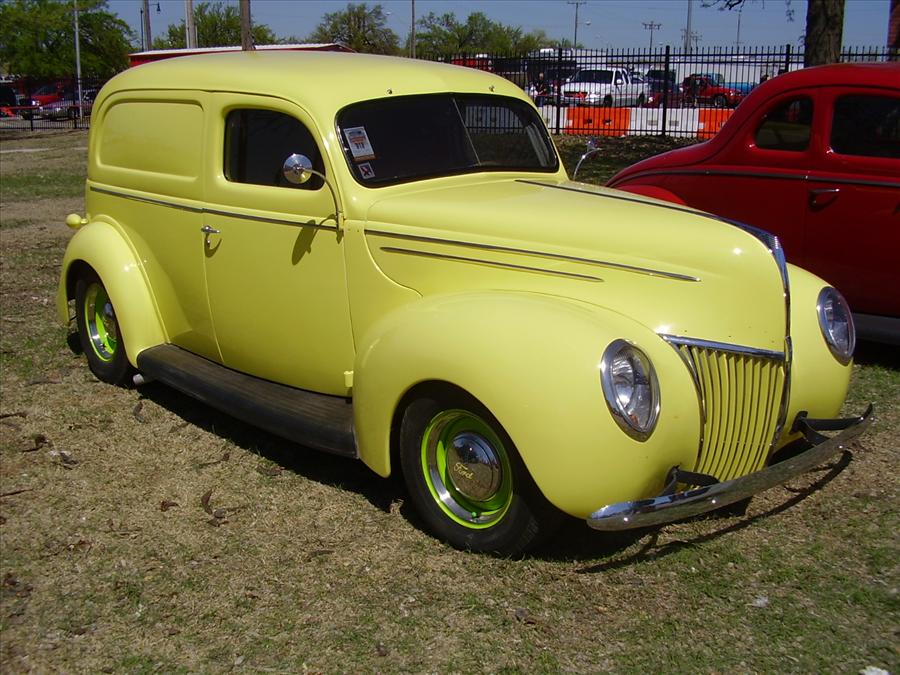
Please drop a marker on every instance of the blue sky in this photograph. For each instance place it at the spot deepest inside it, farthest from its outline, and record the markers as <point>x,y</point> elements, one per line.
<point>601,23</point>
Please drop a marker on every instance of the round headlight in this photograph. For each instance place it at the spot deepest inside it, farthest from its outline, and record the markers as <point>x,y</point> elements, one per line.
<point>631,388</point>
<point>836,323</point>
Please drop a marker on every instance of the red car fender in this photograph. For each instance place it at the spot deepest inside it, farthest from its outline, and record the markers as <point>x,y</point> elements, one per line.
<point>654,192</point>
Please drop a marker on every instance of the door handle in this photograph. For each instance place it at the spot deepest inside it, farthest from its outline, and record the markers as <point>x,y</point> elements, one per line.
<point>206,229</point>
<point>821,197</point>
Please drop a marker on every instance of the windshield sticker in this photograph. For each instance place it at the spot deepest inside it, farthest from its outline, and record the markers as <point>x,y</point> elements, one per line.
<point>366,171</point>
<point>360,146</point>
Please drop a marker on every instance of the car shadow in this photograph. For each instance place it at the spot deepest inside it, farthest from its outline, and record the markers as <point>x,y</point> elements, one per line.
<point>877,354</point>
<point>328,469</point>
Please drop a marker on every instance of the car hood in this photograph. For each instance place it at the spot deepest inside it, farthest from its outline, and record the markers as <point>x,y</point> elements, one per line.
<point>678,271</point>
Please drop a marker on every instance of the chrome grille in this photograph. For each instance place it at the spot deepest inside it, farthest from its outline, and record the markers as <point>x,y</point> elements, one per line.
<point>740,393</point>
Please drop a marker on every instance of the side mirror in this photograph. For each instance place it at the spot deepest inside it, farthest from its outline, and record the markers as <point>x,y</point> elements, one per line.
<point>297,169</point>
<point>593,147</point>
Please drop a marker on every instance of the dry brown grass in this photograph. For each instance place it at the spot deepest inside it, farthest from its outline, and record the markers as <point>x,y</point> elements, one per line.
<point>112,560</point>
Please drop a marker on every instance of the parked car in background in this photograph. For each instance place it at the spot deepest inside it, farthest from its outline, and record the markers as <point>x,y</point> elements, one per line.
<point>385,259</point>
<point>68,106</point>
<point>814,157</point>
<point>700,90</point>
<point>9,101</point>
<point>604,86</point>
<point>658,77</point>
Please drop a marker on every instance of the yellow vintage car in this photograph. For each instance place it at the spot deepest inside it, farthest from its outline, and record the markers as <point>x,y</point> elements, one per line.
<point>384,258</point>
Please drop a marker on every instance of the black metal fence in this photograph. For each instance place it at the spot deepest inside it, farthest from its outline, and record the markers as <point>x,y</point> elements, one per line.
<point>30,105</point>
<point>638,91</point>
<point>587,92</point>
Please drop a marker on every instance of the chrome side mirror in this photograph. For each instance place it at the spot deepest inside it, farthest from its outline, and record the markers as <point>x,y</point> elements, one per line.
<point>297,169</point>
<point>593,147</point>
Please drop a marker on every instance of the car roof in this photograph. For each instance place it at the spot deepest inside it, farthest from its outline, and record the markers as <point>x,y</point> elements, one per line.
<point>860,74</point>
<point>323,81</point>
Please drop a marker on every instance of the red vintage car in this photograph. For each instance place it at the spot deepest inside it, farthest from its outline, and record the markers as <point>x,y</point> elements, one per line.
<point>813,156</point>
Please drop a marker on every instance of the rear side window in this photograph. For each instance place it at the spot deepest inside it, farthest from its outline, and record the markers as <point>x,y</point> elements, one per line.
<point>866,125</point>
<point>257,142</point>
<point>787,126</point>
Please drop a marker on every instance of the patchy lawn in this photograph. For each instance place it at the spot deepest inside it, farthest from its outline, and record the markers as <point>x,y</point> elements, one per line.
<point>143,532</point>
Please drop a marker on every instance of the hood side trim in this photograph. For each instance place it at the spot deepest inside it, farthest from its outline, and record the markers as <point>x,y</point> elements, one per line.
<point>542,254</point>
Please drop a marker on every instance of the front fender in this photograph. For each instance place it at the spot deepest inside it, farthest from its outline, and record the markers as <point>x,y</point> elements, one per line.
<point>533,361</point>
<point>103,247</point>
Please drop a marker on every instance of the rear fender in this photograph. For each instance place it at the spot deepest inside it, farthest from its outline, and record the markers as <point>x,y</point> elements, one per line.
<point>103,247</point>
<point>533,361</point>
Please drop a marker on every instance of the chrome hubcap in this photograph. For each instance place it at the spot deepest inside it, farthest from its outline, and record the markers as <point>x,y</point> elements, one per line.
<point>474,466</point>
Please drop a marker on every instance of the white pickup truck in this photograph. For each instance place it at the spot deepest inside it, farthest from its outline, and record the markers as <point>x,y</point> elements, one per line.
<point>604,86</point>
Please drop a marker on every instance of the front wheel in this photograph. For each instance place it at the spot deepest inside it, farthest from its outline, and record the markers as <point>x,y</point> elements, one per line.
<point>466,480</point>
<point>98,331</point>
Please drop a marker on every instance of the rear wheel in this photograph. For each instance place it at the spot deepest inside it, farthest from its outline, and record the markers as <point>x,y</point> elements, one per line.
<point>466,479</point>
<point>98,330</point>
<point>720,101</point>
<point>607,102</point>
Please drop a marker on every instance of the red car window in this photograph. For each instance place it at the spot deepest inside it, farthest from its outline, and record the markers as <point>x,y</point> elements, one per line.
<point>866,125</point>
<point>787,126</point>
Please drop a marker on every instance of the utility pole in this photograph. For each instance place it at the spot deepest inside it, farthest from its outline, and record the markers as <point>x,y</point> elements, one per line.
<point>651,26</point>
<point>737,40</point>
<point>687,30</point>
<point>77,59</point>
<point>246,36</point>
<point>146,20</point>
<point>190,30</point>
<point>412,33</point>
<point>577,3</point>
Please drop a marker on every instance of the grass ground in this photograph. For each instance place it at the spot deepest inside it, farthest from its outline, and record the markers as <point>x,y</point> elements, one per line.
<point>142,532</point>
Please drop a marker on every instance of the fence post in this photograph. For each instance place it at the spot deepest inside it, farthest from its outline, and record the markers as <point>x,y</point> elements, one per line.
<point>665,101</point>
<point>559,53</point>
<point>787,57</point>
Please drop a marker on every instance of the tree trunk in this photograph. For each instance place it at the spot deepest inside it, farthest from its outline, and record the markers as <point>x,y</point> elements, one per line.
<point>824,32</point>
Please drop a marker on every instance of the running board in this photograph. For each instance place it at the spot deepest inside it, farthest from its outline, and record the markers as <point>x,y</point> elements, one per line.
<point>319,421</point>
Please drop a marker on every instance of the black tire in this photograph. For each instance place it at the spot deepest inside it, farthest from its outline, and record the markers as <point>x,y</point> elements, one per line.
<point>640,100</point>
<point>490,507</point>
<point>98,331</point>
<point>607,102</point>
<point>720,101</point>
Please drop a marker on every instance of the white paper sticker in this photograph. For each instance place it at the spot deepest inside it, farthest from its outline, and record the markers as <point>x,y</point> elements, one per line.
<point>360,147</point>
<point>366,171</point>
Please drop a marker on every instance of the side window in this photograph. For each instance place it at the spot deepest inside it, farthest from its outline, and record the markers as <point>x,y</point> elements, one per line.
<point>258,141</point>
<point>868,126</point>
<point>787,126</point>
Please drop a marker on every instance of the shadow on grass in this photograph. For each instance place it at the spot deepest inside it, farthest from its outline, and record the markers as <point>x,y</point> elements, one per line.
<point>321,467</point>
<point>877,354</point>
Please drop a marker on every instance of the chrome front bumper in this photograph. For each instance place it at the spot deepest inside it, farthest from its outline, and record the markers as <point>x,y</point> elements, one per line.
<point>680,505</point>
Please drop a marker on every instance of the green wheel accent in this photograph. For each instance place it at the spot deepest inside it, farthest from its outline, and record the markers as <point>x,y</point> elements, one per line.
<point>100,321</point>
<point>467,469</point>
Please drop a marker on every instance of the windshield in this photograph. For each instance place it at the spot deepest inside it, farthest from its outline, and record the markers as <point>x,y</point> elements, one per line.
<point>596,76</point>
<point>393,140</point>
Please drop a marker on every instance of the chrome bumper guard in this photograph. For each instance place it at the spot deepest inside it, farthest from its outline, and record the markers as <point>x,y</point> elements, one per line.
<point>680,505</point>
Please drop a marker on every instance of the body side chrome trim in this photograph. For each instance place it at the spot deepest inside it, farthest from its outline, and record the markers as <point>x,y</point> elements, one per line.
<point>214,212</point>
<point>542,254</point>
<point>493,263</point>
<point>809,177</point>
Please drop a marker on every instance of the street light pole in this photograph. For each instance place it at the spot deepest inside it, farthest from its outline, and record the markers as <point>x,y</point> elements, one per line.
<point>651,26</point>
